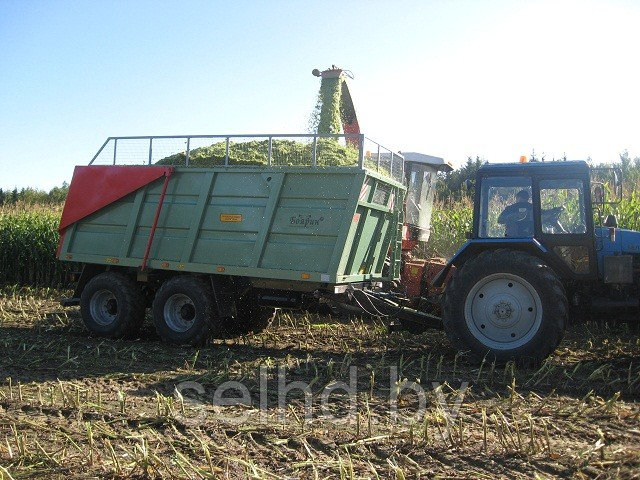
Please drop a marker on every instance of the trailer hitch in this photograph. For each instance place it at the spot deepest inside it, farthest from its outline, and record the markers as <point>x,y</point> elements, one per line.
<point>384,305</point>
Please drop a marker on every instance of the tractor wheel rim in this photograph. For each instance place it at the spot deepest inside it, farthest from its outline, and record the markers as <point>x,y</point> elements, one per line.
<point>179,312</point>
<point>104,307</point>
<point>503,311</point>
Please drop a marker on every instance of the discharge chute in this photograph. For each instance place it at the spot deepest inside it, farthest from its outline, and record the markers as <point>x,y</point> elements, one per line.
<point>335,112</point>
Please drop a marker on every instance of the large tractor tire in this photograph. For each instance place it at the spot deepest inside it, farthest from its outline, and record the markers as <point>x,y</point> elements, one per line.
<point>505,305</point>
<point>184,311</point>
<point>112,305</point>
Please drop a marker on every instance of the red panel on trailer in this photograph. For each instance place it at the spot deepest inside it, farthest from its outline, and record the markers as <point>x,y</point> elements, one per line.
<point>95,186</point>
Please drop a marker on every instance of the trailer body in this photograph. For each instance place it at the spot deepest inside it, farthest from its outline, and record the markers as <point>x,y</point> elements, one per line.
<point>308,227</point>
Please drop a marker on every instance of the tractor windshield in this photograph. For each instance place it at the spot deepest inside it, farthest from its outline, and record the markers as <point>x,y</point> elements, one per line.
<point>505,207</point>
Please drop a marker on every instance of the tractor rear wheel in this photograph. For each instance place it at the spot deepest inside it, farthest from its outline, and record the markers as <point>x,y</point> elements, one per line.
<point>505,305</point>
<point>112,305</point>
<point>184,310</point>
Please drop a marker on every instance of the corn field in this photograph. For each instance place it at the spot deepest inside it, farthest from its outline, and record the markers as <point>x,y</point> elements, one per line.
<point>74,406</point>
<point>28,242</point>
<point>449,224</point>
<point>29,236</point>
<point>628,211</point>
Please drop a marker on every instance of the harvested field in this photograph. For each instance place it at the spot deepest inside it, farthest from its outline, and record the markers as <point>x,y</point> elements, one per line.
<point>73,406</point>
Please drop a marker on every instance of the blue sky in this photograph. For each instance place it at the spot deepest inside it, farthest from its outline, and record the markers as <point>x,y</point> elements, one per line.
<point>454,79</point>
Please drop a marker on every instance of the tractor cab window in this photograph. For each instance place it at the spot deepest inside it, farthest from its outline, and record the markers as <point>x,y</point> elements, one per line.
<point>562,207</point>
<point>420,190</point>
<point>505,207</point>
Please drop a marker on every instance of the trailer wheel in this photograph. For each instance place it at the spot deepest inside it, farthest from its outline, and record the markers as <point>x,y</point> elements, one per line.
<point>183,310</point>
<point>505,305</point>
<point>250,317</point>
<point>112,305</point>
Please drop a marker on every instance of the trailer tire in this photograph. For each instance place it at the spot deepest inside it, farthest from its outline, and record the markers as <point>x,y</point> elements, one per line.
<point>112,305</point>
<point>184,310</point>
<point>250,318</point>
<point>505,305</point>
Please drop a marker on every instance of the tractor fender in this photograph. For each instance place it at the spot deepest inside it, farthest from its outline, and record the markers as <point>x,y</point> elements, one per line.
<point>475,246</point>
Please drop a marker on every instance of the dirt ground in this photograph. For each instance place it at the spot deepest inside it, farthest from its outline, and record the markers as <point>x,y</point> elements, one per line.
<point>73,406</point>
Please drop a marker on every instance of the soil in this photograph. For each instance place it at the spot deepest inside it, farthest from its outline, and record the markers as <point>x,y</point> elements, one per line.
<point>75,406</point>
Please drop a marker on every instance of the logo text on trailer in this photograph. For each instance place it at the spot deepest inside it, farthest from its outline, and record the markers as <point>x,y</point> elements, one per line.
<point>304,222</point>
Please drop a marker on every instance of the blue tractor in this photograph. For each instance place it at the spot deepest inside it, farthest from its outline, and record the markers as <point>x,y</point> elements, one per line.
<point>534,259</point>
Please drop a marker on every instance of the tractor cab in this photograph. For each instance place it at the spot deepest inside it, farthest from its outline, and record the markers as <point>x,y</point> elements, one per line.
<point>541,206</point>
<point>421,175</point>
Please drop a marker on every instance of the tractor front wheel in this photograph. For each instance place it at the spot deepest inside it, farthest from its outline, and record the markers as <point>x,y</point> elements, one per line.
<point>505,305</point>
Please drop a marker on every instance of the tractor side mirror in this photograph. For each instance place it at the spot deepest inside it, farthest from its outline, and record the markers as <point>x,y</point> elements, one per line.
<point>609,181</point>
<point>617,182</point>
<point>616,179</point>
<point>468,185</point>
<point>598,194</point>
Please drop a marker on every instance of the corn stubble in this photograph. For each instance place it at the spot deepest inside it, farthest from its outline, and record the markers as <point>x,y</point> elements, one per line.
<point>73,406</point>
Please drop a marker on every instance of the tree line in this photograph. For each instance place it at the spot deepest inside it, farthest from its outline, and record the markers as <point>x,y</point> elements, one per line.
<point>451,185</point>
<point>34,196</point>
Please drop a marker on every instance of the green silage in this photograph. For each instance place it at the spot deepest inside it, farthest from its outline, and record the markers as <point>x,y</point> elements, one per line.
<point>329,100</point>
<point>283,152</point>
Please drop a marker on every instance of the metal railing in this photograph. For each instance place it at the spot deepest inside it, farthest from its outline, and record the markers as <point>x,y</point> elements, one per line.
<point>311,150</point>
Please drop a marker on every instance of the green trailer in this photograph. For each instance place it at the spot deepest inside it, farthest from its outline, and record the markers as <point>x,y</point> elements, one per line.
<point>213,250</point>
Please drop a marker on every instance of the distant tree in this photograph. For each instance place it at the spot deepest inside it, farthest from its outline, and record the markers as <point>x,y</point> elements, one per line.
<point>630,168</point>
<point>59,194</point>
<point>450,185</point>
<point>33,196</point>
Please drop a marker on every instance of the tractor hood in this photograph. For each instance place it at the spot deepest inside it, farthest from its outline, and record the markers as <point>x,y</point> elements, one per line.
<point>626,241</point>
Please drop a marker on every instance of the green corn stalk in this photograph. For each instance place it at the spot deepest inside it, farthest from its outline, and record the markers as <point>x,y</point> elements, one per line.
<point>28,242</point>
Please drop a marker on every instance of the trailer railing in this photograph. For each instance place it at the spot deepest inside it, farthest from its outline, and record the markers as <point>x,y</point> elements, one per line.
<point>313,150</point>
